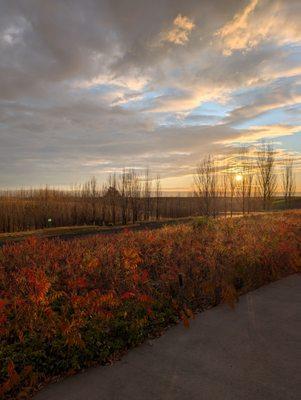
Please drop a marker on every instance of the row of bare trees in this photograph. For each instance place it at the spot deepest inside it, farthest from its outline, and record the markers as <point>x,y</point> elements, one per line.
<point>245,183</point>
<point>122,199</point>
<point>250,180</point>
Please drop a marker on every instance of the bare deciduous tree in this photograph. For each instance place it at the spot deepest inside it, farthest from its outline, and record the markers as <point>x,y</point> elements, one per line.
<point>224,191</point>
<point>288,181</point>
<point>267,180</point>
<point>111,198</point>
<point>158,195</point>
<point>124,188</point>
<point>147,195</point>
<point>249,186</point>
<point>135,194</point>
<point>205,180</point>
<point>93,195</point>
<point>232,187</point>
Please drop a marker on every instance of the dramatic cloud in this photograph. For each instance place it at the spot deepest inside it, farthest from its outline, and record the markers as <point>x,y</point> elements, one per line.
<point>260,20</point>
<point>87,88</point>
<point>179,33</point>
<point>236,34</point>
<point>254,133</point>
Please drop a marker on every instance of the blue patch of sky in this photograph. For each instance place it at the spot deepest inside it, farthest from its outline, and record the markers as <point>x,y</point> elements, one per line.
<point>169,119</point>
<point>208,113</point>
<point>149,98</point>
<point>102,88</point>
<point>244,96</point>
<point>272,117</point>
<point>212,108</point>
<point>294,114</point>
<point>295,52</point>
<point>142,102</point>
<point>291,143</point>
<point>287,115</point>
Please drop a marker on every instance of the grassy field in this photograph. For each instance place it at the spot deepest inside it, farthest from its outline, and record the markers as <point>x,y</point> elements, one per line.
<point>56,232</point>
<point>67,305</point>
<point>67,232</point>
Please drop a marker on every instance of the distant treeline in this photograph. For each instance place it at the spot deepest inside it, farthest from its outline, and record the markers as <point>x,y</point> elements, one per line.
<point>123,199</point>
<point>35,209</point>
<point>130,197</point>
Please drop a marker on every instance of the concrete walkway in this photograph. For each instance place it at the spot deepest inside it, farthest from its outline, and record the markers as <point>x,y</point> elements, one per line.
<point>253,352</point>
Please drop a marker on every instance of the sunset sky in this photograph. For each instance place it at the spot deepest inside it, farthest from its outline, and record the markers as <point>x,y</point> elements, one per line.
<point>89,87</point>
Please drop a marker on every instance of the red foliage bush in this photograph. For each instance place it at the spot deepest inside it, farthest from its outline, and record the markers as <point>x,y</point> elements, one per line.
<point>65,305</point>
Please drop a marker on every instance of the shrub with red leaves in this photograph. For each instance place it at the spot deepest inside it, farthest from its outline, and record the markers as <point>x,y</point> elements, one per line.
<point>65,305</point>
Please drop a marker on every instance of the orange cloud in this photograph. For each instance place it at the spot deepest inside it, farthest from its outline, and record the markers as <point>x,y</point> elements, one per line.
<point>180,32</point>
<point>255,133</point>
<point>257,22</point>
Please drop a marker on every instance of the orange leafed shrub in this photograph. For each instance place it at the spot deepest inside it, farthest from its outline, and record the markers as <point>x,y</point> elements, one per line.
<point>65,305</point>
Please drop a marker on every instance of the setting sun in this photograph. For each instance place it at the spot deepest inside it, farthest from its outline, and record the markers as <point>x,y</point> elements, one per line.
<point>238,178</point>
